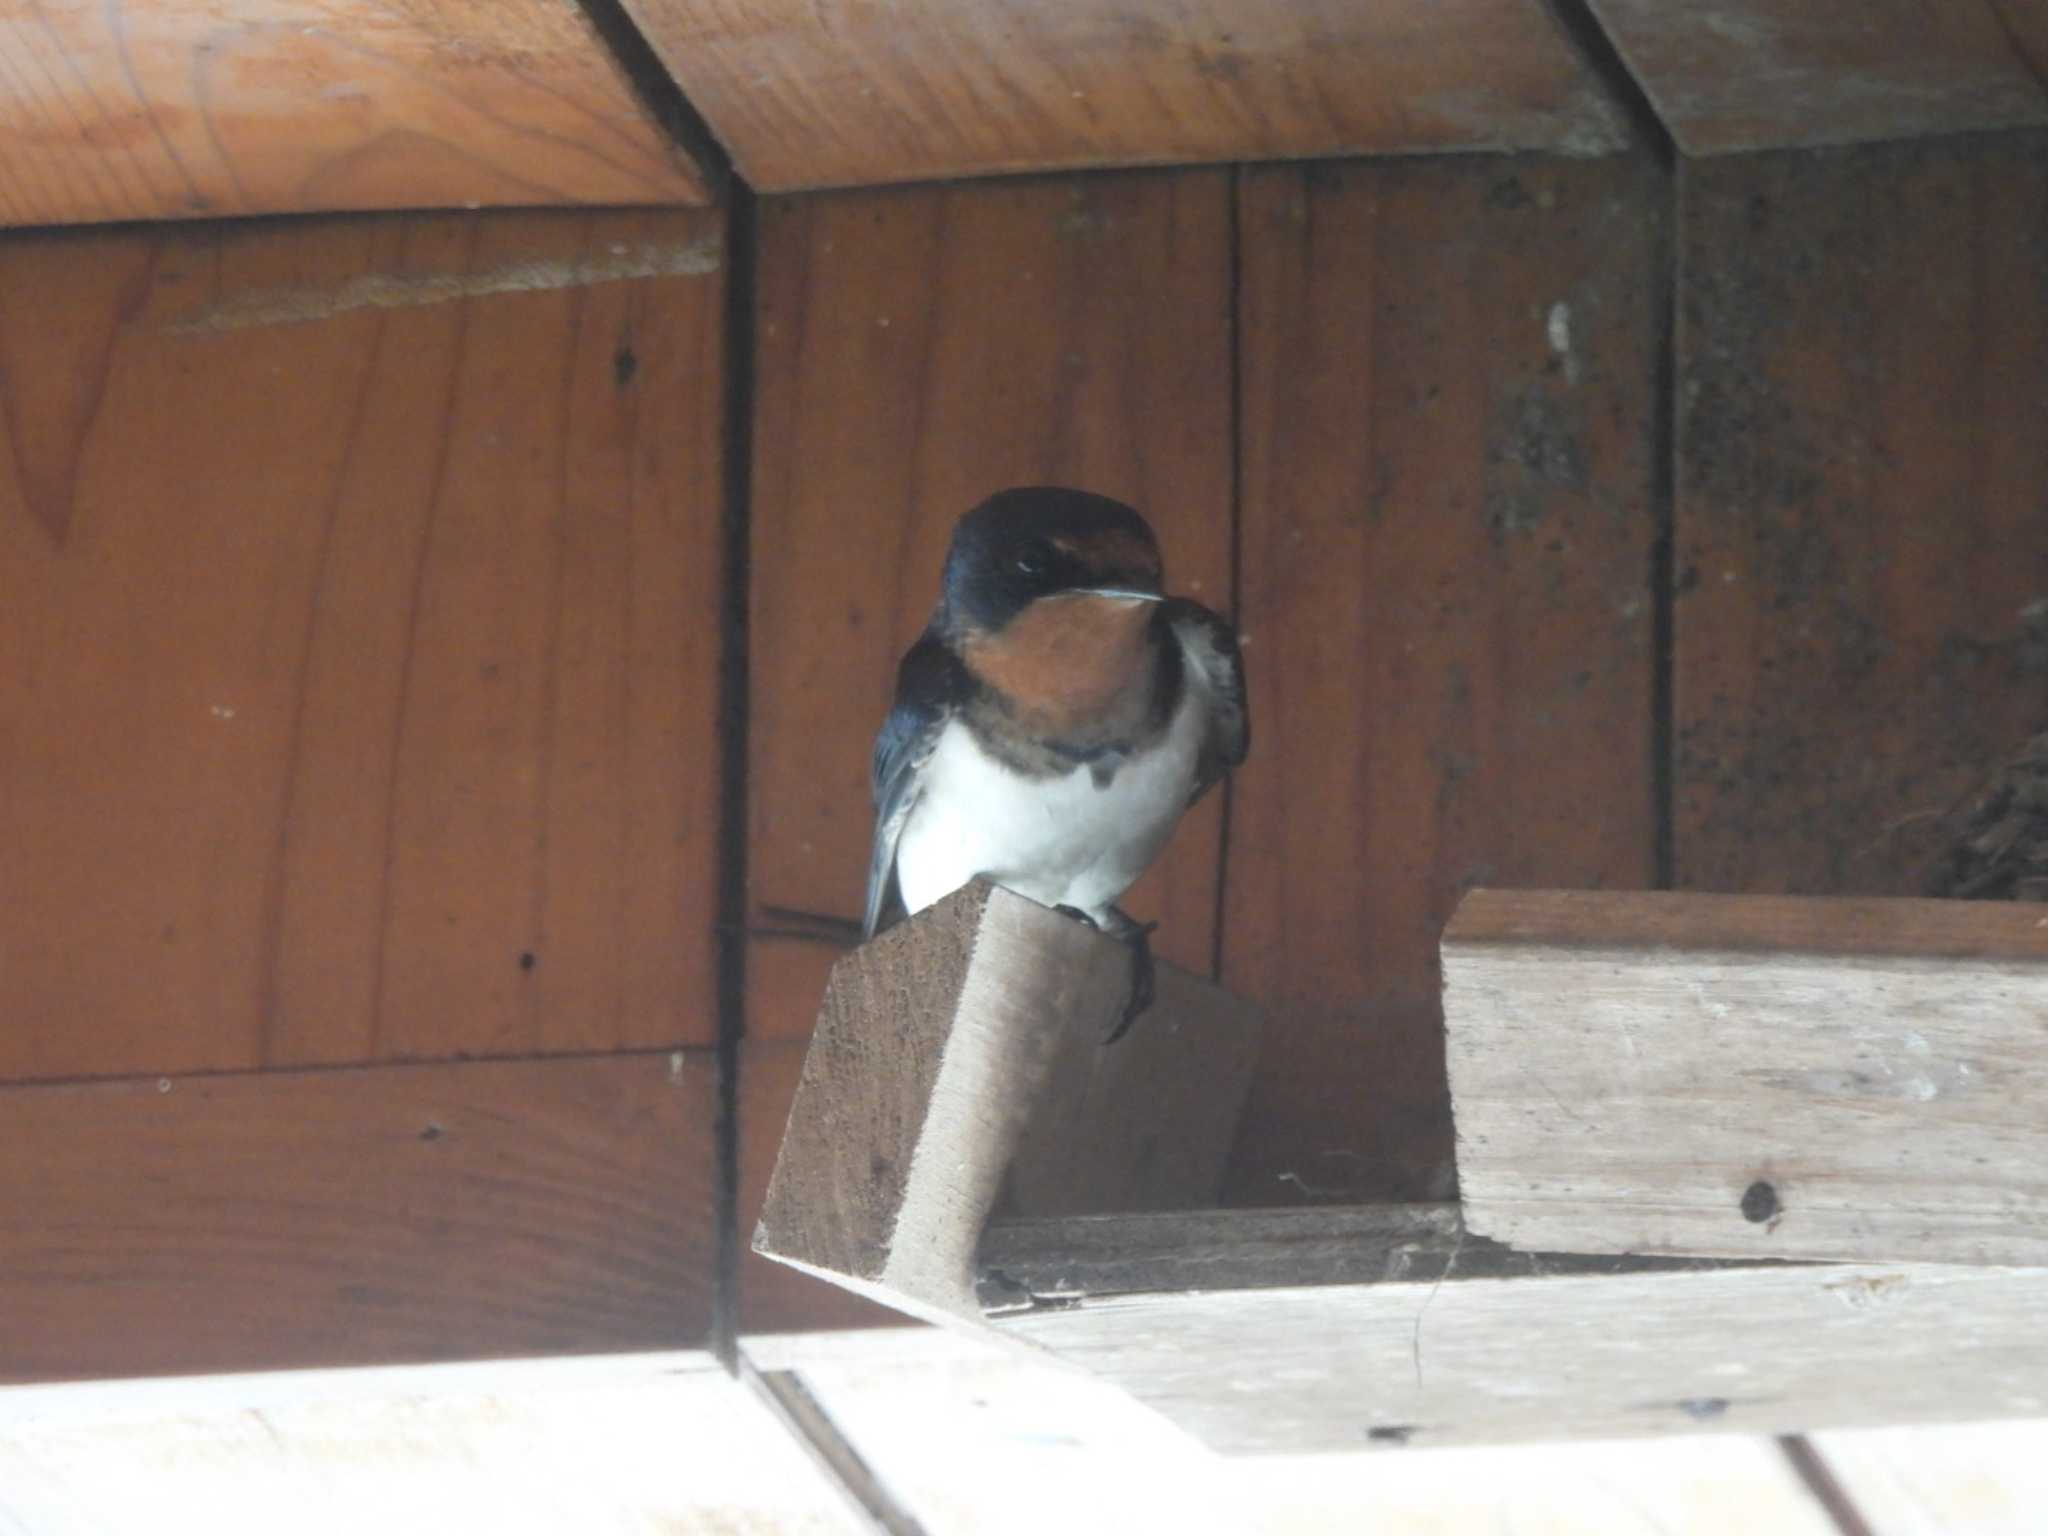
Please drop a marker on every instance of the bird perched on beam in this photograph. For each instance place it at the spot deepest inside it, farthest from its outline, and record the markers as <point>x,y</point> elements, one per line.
<point>1055,718</point>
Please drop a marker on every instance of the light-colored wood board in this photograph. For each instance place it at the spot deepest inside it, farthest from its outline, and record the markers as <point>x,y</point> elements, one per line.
<point>846,95</point>
<point>1751,1076</point>
<point>1862,441</point>
<point>1448,1361</point>
<point>1012,1445</point>
<point>1946,1480</point>
<point>1734,75</point>
<point>870,1502</point>
<point>613,1449</point>
<point>358,639</point>
<point>164,109</point>
<point>1445,598</point>
<point>918,350</point>
<point>265,1221</point>
<point>962,1061</point>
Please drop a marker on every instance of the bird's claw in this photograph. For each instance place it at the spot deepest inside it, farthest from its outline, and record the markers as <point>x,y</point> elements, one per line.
<point>1143,974</point>
<point>1143,978</point>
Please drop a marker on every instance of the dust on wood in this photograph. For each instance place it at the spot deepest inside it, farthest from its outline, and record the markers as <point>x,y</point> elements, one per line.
<point>407,290</point>
<point>2000,850</point>
<point>1862,440</point>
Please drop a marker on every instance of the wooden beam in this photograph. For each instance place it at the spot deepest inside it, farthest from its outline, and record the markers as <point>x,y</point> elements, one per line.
<point>1442,1337</point>
<point>266,1221</point>
<point>833,95</point>
<point>1733,75</point>
<point>155,109</point>
<point>1664,1073</point>
<point>1069,1453</point>
<point>960,1063</point>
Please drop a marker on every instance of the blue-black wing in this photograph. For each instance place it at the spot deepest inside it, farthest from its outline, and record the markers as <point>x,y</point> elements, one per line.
<point>931,683</point>
<point>1209,650</point>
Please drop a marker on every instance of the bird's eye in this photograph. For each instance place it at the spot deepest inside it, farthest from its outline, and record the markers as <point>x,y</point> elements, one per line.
<point>1031,563</point>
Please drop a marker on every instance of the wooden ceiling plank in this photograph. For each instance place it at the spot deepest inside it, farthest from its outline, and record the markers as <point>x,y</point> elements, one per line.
<point>842,94</point>
<point>1733,75</point>
<point>154,109</point>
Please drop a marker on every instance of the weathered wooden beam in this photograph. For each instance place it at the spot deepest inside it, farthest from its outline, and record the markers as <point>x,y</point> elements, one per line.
<point>960,1061</point>
<point>1344,1328</point>
<point>378,1216</point>
<point>1685,1074</point>
<point>1322,1330</point>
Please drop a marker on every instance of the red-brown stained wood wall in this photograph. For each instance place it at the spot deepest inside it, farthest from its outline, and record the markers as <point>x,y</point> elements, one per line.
<point>1446,603</point>
<point>359,634</point>
<point>1862,513</point>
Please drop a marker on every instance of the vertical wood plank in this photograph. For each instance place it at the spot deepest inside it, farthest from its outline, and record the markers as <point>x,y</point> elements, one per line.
<point>358,639</point>
<point>1445,589</point>
<point>1863,444</point>
<point>919,350</point>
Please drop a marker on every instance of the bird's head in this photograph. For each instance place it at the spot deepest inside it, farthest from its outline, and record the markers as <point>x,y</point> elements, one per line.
<point>1039,547</point>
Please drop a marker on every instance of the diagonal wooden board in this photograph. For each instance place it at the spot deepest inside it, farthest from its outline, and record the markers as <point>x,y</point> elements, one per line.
<point>960,1063</point>
<point>1752,1076</point>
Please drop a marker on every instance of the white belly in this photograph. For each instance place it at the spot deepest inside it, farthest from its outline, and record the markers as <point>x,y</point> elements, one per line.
<point>1060,841</point>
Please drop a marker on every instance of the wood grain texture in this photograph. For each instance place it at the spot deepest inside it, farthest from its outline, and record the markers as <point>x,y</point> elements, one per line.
<point>358,1217</point>
<point>844,94</point>
<point>1008,1444</point>
<point>1751,1076</point>
<point>156,109</point>
<point>358,640</point>
<point>919,350</point>
<point>1446,609</point>
<point>1863,439</point>
<point>1734,75</point>
<point>1459,1349</point>
<point>774,1298</point>
<point>960,1065</point>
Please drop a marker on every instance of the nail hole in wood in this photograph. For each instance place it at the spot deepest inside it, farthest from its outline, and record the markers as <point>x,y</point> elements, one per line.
<point>1759,1202</point>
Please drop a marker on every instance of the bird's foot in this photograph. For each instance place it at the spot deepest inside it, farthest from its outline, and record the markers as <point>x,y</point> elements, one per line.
<point>1144,975</point>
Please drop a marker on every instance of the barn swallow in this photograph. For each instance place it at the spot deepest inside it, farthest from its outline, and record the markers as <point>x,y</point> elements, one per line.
<point>1054,720</point>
